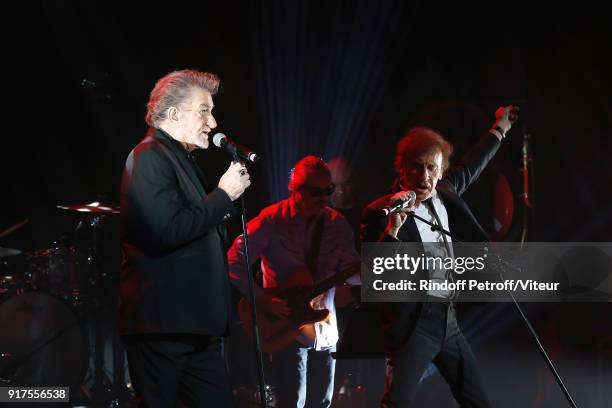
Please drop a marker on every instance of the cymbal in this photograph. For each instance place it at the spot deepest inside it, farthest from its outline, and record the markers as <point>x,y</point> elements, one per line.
<point>95,207</point>
<point>8,252</point>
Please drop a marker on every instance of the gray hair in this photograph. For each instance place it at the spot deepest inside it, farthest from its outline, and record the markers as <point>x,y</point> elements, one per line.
<point>173,89</point>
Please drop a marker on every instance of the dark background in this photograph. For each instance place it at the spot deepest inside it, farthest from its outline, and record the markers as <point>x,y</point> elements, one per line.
<point>331,78</point>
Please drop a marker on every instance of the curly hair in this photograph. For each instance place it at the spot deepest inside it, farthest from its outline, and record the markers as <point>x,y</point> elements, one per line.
<point>416,142</point>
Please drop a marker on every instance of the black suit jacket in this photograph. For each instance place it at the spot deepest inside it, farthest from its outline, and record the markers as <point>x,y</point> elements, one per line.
<point>174,267</point>
<point>399,319</point>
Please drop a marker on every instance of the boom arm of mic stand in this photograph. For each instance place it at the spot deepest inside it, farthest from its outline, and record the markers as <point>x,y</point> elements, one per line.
<point>435,227</point>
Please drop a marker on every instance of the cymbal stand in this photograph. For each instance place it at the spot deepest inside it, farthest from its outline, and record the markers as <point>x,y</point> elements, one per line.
<point>104,389</point>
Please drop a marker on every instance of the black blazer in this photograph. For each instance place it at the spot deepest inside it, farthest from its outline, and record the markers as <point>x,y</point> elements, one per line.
<point>174,266</point>
<point>399,319</point>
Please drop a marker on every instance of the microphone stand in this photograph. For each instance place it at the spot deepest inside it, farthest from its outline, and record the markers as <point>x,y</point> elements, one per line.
<point>535,336</point>
<point>530,328</point>
<point>263,397</point>
<point>435,227</point>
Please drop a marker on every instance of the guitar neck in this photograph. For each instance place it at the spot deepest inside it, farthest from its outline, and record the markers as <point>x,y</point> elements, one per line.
<point>332,281</point>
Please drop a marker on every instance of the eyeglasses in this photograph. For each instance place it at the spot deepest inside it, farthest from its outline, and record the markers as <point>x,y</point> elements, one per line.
<point>319,192</point>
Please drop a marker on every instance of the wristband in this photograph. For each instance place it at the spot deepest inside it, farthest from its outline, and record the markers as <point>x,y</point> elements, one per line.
<point>499,130</point>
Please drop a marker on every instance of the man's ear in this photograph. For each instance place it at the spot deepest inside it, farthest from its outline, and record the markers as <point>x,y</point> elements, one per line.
<point>173,114</point>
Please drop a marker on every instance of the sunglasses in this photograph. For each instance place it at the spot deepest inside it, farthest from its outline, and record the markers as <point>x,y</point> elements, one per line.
<point>319,192</point>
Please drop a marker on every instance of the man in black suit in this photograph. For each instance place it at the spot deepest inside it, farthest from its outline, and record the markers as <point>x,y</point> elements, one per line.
<point>416,334</point>
<point>175,293</point>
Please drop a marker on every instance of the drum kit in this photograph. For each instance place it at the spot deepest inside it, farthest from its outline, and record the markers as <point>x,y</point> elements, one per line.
<point>57,316</point>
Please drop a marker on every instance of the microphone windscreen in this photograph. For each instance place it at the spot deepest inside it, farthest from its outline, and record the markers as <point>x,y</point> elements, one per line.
<point>218,138</point>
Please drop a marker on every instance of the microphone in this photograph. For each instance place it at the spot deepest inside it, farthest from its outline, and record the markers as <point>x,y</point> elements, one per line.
<point>400,204</point>
<point>234,148</point>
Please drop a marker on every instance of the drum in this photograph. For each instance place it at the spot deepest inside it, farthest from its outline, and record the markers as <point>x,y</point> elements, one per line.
<point>42,342</point>
<point>59,270</point>
<point>10,284</point>
<point>12,277</point>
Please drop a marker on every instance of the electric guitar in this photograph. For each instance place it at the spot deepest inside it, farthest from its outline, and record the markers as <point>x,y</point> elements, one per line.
<point>276,332</point>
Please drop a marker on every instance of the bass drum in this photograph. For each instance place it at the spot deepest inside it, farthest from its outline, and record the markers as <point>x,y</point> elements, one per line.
<point>42,342</point>
<point>60,271</point>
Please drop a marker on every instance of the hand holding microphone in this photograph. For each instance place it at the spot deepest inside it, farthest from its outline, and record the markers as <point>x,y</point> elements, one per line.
<point>400,201</point>
<point>235,180</point>
<point>400,204</point>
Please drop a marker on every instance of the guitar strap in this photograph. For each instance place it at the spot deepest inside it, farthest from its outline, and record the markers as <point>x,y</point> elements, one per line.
<point>315,245</point>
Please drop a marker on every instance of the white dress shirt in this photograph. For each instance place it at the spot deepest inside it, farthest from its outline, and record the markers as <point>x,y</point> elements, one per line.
<point>437,237</point>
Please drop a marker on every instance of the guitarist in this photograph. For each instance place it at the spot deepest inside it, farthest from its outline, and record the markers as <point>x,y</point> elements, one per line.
<point>295,235</point>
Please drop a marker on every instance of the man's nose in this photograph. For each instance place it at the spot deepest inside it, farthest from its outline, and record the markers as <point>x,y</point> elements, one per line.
<point>422,174</point>
<point>211,122</point>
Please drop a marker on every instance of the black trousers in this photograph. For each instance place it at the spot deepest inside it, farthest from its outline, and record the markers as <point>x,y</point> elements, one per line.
<point>173,370</point>
<point>438,339</point>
